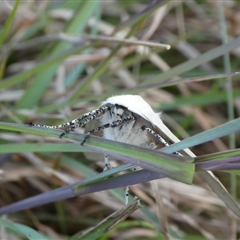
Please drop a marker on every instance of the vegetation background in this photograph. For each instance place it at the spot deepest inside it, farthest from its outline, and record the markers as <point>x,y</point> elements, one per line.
<point>50,76</point>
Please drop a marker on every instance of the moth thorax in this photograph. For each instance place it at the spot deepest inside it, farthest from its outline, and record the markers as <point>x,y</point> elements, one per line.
<point>117,112</point>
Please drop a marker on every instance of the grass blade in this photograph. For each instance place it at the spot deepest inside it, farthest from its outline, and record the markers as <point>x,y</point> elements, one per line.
<point>9,21</point>
<point>108,223</point>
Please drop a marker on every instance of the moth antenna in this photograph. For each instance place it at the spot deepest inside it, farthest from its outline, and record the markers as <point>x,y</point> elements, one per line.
<point>156,135</point>
<point>108,125</point>
<point>78,122</point>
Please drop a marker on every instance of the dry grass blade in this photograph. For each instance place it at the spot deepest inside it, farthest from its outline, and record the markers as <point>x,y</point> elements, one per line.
<point>128,41</point>
<point>110,222</point>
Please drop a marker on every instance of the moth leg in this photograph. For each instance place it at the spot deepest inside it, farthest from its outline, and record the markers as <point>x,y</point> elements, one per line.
<point>126,195</point>
<point>162,140</point>
<point>107,165</point>
<point>114,124</point>
<point>128,188</point>
<point>78,122</point>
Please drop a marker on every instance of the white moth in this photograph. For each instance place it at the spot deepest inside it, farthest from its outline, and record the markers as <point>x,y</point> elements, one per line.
<point>125,118</point>
<point>130,119</point>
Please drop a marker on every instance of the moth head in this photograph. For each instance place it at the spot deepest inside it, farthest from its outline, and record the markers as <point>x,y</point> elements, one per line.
<point>118,112</point>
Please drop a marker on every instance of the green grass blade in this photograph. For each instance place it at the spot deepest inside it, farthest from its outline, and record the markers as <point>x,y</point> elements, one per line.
<point>218,155</point>
<point>30,233</point>
<point>98,71</point>
<point>25,231</point>
<point>172,166</point>
<point>43,147</point>
<point>9,21</point>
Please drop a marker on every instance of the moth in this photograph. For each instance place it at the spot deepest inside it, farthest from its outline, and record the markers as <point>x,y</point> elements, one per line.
<point>125,118</point>
<point>130,119</point>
